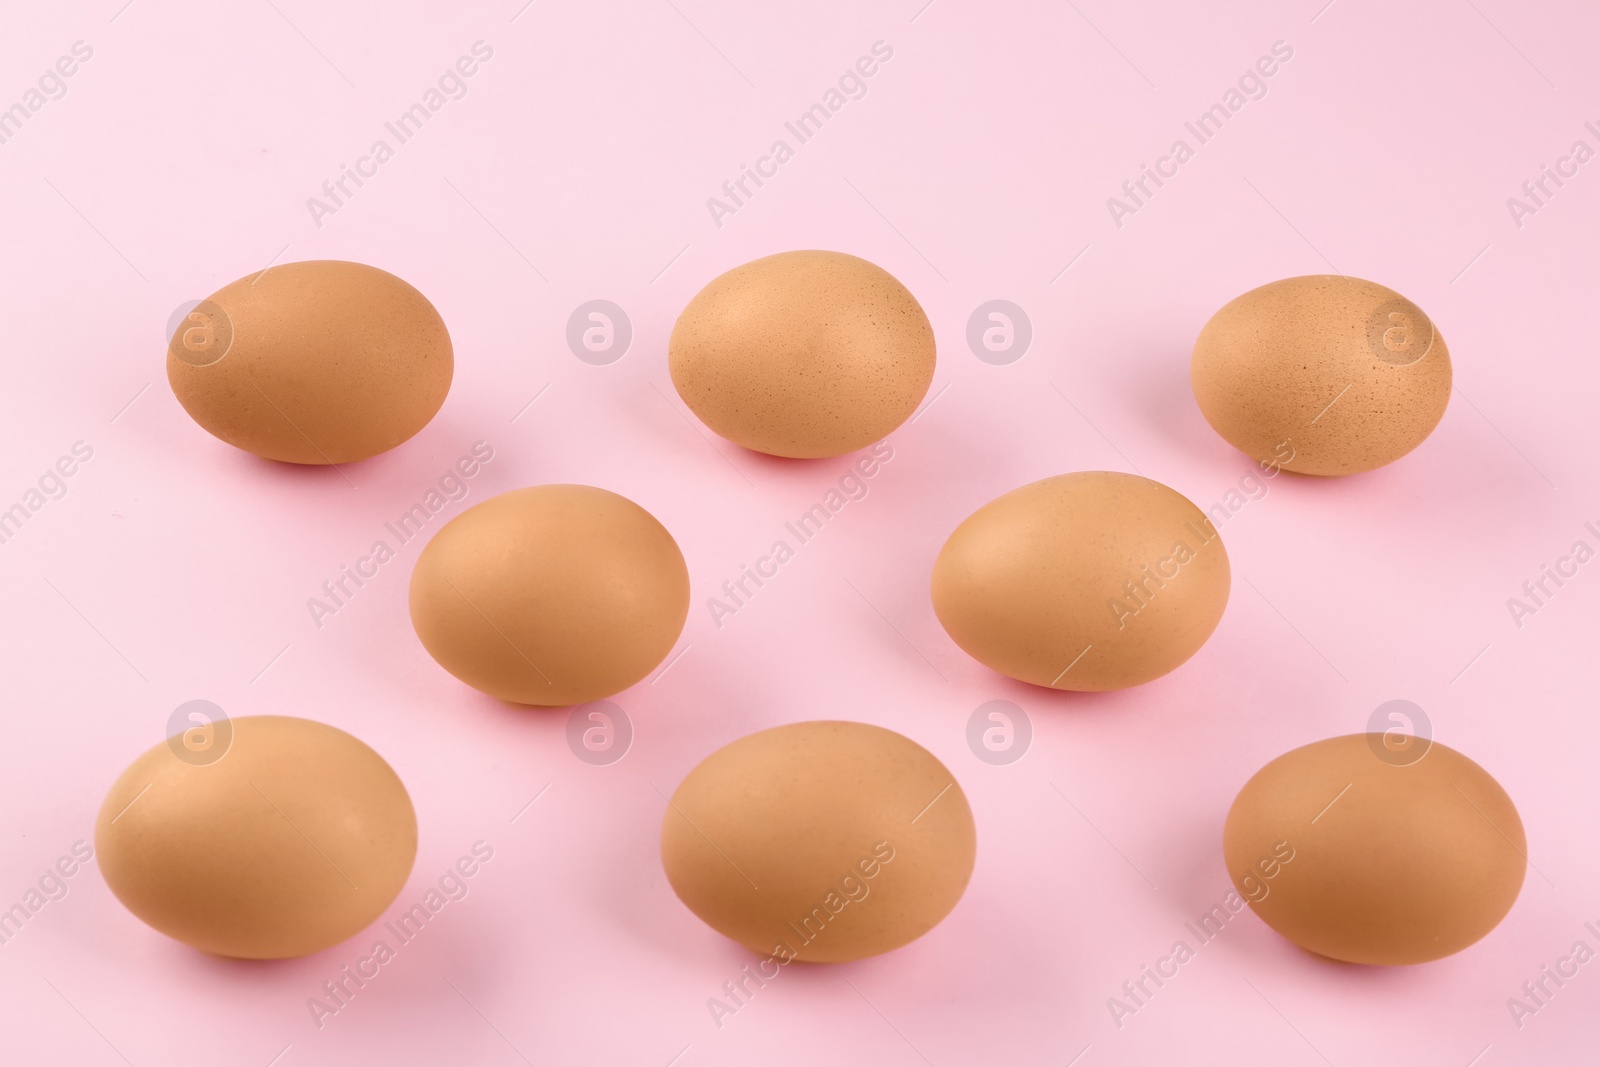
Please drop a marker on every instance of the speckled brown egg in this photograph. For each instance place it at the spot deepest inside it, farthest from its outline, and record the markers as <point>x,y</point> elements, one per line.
<point>803,354</point>
<point>316,362</point>
<point>550,595</point>
<point>819,841</point>
<point>1322,374</point>
<point>1088,581</point>
<point>296,838</point>
<point>1360,851</point>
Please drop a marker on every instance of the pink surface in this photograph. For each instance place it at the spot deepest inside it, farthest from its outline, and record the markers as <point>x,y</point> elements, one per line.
<point>977,166</point>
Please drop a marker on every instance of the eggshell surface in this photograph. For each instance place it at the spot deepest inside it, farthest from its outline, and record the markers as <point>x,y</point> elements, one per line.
<point>1086,581</point>
<point>1394,857</point>
<point>550,595</point>
<point>803,354</point>
<point>297,838</point>
<point>819,841</point>
<point>316,362</point>
<point>1322,374</point>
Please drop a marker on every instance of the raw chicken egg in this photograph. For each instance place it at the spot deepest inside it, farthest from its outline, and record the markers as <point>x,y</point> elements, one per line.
<point>317,362</point>
<point>819,841</point>
<point>1359,851</point>
<point>1322,374</point>
<point>1086,581</point>
<point>296,838</point>
<point>803,354</point>
<point>550,595</point>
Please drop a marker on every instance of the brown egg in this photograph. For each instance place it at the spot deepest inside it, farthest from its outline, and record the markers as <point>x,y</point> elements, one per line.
<point>315,362</point>
<point>297,838</point>
<point>819,841</point>
<point>803,354</point>
<point>1322,374</point>
<point>1086,581</point>
<point>552,595</point>
<point>1359,852</point>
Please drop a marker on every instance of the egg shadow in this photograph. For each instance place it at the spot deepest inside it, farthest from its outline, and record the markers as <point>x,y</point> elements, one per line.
<point>513,715</point>
<point>792,471</point>
<point>1081,703</point>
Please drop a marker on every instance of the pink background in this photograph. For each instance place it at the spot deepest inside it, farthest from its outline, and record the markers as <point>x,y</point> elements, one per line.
<point>976,167</point>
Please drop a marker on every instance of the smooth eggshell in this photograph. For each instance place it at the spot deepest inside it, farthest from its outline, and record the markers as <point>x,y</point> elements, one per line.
<point>550,595</point>
<point>819,841</point>
<point>1394,860</point>
<point>314,362</point>
<point>803,354</point>
<point>297,838</point>
<point>1086,581</point>
<point>1322,374</point>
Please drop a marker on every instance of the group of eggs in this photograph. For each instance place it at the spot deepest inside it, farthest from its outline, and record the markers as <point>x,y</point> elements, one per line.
<point>819,841</point>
